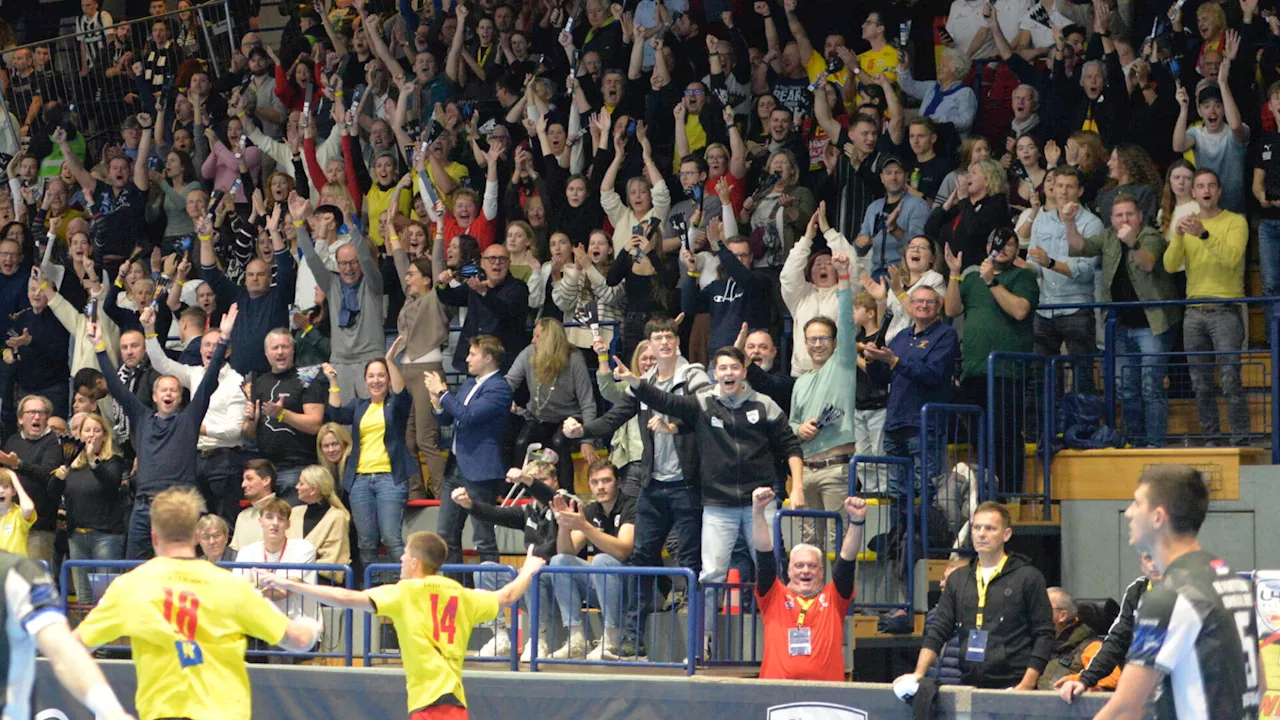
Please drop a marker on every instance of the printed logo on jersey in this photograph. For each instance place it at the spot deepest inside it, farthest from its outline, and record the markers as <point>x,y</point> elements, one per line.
<point>189,653</point>
<point>753,416</point>
<point>1148,638</point>
<point>1220,566</point>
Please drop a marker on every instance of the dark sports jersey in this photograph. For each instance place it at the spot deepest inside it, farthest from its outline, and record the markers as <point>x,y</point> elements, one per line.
<point>1266,157</point>
<point>279,442</point>
<point>119,221</point>
<point>623,513</point>
<point>1197,626</point>
<point>31,604</point>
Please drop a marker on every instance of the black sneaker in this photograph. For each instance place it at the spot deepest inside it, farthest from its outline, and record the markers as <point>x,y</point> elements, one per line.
<point>632,649</point>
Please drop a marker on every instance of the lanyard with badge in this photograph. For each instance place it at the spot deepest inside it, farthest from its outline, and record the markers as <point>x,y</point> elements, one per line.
<point>977,647</point>
<point>798,639</point>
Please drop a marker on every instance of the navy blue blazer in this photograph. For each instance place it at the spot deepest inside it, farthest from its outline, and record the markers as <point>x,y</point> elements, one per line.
<point>395,412</point>
<point>478,426</point>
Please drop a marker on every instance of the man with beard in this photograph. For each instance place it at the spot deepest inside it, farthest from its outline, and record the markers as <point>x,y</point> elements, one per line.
<point>889,222</point>
<point>264,106</point>
<point>804,619</point>
<point>998,302</point>
<point>1221,142</point>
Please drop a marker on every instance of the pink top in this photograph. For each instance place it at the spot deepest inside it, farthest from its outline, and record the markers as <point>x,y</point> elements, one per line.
<point>221,167</point>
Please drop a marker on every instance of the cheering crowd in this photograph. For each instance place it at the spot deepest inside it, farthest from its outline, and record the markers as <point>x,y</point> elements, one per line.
<point>289,267</point>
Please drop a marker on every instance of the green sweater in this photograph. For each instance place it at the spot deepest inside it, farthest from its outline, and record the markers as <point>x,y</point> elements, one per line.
<point>835,383</point>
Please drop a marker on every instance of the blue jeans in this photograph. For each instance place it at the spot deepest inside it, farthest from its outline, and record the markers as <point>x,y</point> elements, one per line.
<point>138,538</point>
<point>1142,397</point>
<point>92,545</point>
<point>453,518</point>
<point>660,507</point>
<point>377,508</point>
<point>904,442</point>
<point>1269,258</point>
<point>492,581</point>
<point>602,591</point>
<point>721,528</point>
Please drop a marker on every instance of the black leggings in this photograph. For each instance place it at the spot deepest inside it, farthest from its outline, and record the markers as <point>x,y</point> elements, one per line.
<point>550,435</point>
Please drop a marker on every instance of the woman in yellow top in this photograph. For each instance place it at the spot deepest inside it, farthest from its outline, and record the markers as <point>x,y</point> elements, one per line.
<point>378,468</point>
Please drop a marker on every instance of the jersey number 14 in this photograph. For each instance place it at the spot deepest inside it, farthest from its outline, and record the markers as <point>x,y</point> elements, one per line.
<point>444,619</point>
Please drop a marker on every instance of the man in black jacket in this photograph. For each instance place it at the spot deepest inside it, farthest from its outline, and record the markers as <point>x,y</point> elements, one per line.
<point>998,606</point>
<point>741,436</point>
<point>668,472</point>
<point>1116,645</point>
<point>497,305</point>
<point>33,453</point>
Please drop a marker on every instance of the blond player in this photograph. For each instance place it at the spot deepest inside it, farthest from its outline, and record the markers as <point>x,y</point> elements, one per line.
<point>433,617</point>
<point>187,620</point>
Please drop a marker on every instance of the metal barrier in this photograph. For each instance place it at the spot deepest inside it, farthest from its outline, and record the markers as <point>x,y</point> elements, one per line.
<point>954,469</point>
<point>1020,391</point>
<point>736,618</point>
<point>811,532</point>
<point>93,77</point>
<point>885,571</point>
<point>256,647</point>
<point>570,586</point>
<point>1189,376</point>
<point>387,636</point>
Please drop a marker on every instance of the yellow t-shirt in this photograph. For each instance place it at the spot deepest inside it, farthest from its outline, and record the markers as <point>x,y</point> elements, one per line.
<point>817,63</point>
<point>187,620</point>
<point>14,530</point>
<point>884,60</point>
<point>433,617</point>
<point>697,137</point>
<point>373,442</point>
<point>376,202</point>
<point>455,170</point>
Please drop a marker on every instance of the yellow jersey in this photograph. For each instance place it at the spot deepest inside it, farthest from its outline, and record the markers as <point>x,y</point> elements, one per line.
<point>373,441</point>
<point>885,60</point>
<point>377,201</point>
<point>14,529</point>
<point>433,617</point>
<point>187,620</point>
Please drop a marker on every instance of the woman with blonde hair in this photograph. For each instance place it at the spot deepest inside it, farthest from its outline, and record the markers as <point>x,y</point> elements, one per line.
<point>977,205</point>
<point>90,486</point>
<point>972,150</point>
<point>778,217</point>
<point>559,388</point>
<point>323,518</point>
<point>626,447</point>
<point>333,448</point>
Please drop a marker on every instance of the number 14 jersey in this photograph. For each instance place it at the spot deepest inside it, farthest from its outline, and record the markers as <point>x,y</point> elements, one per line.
<point>1197,627</point>
<point>433,617</point>
<point>187,620</point>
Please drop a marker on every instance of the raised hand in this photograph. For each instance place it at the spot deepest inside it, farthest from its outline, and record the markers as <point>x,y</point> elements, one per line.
<point>855,508</point>
<point>299,207</point>
<point>955,263</point>
<point>622,374</point>
<point>229,320</point>
<point>763,496</point>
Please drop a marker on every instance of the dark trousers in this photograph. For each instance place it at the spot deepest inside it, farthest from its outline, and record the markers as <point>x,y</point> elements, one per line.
<point>218,477</point>
<point>549,436</point>
<point>1009,463</point>
<point>8,411</point>
<point>1079,332</point>
<point>661,506</point>
<point>453,518</point>
<point>138,538</point>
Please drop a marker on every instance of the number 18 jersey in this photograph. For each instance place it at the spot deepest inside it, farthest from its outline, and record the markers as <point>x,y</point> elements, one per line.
<point>433,617</point>
<point>187,620</point>
<point>1197,626</point>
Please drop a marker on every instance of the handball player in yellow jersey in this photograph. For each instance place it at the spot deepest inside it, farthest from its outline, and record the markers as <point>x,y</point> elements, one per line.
<point>433,617</point>
<point>187,620</point>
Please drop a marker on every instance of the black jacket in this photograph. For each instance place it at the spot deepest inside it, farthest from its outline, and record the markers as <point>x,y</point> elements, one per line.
<point>1116,645</point>
<point>37,459</point>
<point>535,518</point>
<point>774,382</point>
<point>501,312</point>
<point>689,379</point>
<point>1018,619</point>
<point>965,227</point>
<point>739,443</point>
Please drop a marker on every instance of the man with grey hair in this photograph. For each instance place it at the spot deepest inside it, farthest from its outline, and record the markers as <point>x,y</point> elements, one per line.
<point>1071,636</point>
<point>804,619</point>
<point>285,410</point>
<point>33,453</point>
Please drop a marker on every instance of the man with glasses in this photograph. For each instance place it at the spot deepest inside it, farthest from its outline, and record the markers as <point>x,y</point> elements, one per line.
<point>687,221</point>
<point>700,115</point>
<point>33,453</point>
<point>917,364</point>
<point>497,305</point>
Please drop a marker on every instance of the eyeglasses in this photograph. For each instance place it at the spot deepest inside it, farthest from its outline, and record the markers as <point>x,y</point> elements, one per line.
<point>213,536</point>
<point>41,413</point>
<point>692,93</point>
<point>348,263</point>
<point>923,301</point>
<point>819,340</point>
<point>690,173</point>
<point>496,260</point>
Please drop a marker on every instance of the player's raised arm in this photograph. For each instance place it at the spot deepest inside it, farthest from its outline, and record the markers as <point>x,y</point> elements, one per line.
<point>331,596</point>
<point>511,593</point>
<point>77,672</point>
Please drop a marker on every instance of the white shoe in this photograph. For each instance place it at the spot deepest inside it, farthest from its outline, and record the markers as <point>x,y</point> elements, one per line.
<point>498,646</point>
<point>602,652</point>
<point>574,647</point>
<point>543,649</point>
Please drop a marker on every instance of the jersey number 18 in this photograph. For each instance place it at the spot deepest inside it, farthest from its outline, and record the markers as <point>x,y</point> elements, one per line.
<point>183,613</point>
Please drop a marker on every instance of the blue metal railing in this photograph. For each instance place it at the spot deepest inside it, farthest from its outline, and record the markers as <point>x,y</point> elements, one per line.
<point>882,513</point>
<point>692,612</point>
<point>957,422</point>
<point>126,565</point>
<point>384,569</point>
<point>1016,403</point>
<point>1110,354</point>
<point>818,539</point>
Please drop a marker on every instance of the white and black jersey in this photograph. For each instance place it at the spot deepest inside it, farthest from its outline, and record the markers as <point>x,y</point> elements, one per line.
<point>31,604</point>
<point>1197,627</point>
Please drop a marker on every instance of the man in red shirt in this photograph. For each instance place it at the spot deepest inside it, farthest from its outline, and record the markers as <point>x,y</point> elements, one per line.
<point>804,619</point>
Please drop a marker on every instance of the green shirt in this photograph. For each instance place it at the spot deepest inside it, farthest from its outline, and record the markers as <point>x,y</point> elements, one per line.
<point>834,384</point>
<point>988,328</point>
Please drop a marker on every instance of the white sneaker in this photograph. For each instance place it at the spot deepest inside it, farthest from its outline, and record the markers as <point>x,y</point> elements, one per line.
<point>543,649</point>
<point>602,652</point>
<point>498,646</point>
<point>574,647</point>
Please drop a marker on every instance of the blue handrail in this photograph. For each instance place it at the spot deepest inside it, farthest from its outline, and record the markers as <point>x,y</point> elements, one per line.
<point>909,586</point>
